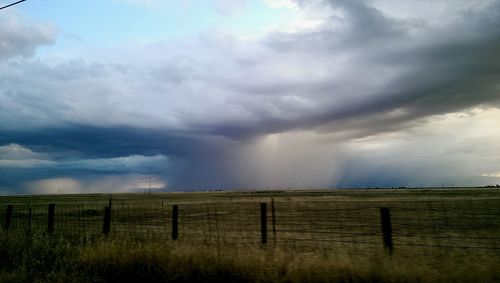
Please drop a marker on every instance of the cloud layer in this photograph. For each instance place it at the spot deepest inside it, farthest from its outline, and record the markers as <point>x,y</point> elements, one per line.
<point>287,108</point>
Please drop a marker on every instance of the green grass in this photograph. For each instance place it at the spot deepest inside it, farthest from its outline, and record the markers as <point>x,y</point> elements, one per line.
<point>321,236</point>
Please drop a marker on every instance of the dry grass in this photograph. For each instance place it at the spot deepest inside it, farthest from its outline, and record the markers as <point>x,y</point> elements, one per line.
<point>220,254</point>
<point>41,258</point>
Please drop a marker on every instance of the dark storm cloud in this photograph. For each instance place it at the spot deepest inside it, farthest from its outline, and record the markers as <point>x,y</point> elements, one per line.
<point>233,112</point>
<point>87,153</point>
<point>444,71</point>
<point>106,142</point>
<point>370,63</point>
<point>385,65</point>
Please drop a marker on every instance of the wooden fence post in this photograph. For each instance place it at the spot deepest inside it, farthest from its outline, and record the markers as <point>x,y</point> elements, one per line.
<point>263,223</point>
<point>175,222</point>
<point>8,217</point>
<point>106,225</point>
<point>385,217</point>
<point>50,219</point>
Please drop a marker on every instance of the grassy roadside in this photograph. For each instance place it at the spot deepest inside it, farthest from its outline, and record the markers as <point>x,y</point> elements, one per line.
<point>41,258</point>
<point>213,245</point>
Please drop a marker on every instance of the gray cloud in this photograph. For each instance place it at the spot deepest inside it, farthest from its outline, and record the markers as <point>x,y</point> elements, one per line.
<point>212,106</point>
<point>439,70</point>
<point>20,37</point>
<point>358,72</point>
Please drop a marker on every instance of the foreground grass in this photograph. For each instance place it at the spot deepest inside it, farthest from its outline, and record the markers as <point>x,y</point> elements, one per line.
<point>421,219</point>
<point>40,258</point>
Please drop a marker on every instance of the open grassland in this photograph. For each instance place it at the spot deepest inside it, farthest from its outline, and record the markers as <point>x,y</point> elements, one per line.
<point>438,235</point>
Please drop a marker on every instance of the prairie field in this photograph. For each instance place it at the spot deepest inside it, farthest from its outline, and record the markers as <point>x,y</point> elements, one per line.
<point>433,235</point>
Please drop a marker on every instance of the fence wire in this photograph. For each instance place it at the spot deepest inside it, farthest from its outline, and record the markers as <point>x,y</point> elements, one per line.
<point>424,226</point>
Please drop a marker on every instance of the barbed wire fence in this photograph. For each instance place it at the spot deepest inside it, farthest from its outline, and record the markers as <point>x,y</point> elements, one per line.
<point>427,227</point>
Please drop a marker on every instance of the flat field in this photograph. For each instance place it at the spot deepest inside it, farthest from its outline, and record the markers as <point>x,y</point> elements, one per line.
<point>445,235</point>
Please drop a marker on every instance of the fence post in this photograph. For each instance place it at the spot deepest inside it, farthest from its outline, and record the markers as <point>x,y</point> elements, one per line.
<point>106,225</point>
<point>273,220</point>
<point>263,223</point>
<point>50,219</point>
<point>385,217</point>
<point>8,217</point>
<point>175,222</point>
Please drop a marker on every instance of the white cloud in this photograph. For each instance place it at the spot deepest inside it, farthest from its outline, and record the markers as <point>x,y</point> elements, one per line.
<point>20,36</point>
<point>446,149</point>
<point>18,156</point>
<point>290,4</point>
<point>16,152</point>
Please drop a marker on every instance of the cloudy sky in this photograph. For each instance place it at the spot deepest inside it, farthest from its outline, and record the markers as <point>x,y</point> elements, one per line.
<point>121,95</point>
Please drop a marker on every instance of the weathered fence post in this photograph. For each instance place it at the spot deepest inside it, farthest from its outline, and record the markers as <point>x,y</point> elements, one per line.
<point>263,223</point>
<point>106,225</point>
<point>50,219</point>
<point>175,222</point>
<point>8,217</point>
<point>273,220</point>
<point>385,217</point>
<point>109,201</point>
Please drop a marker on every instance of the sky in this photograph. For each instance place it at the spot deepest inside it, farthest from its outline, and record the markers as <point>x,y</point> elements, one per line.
<point>131,95</point>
